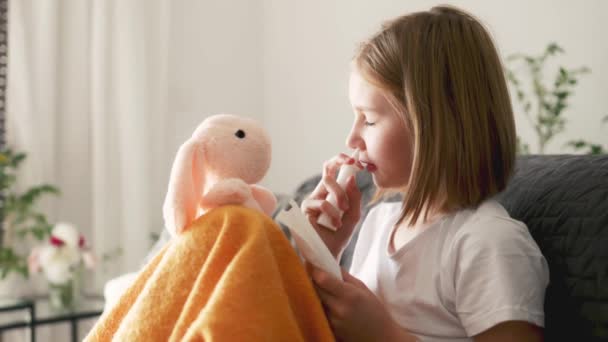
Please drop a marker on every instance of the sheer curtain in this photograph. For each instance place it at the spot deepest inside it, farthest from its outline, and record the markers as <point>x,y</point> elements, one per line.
<point>87,85</point>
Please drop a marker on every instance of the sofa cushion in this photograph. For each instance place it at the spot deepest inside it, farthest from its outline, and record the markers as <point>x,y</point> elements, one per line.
<point>564,201</point>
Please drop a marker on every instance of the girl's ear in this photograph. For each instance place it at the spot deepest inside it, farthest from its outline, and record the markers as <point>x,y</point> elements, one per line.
<point>185,187</point>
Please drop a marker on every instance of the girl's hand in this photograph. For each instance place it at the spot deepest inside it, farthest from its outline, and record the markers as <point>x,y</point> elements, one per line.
<point>353,311</point>
<point>349,201</point>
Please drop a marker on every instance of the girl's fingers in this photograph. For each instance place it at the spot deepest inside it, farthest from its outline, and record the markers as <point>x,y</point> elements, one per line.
<point>350,279</point>
<point>334,213</point>
<point>319,200</point>
<point>329,179</point>
<point>352,191</point>
<point>337,192</point>
<point>330,302</point>
<point>331,285</point>
<point>330,168</point>
<point>328,182</point>
<point>319,192</point>
<point>332,165</point>
<point>313,208</point>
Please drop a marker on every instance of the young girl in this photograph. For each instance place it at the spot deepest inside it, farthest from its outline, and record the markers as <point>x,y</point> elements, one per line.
<point>433,120</point>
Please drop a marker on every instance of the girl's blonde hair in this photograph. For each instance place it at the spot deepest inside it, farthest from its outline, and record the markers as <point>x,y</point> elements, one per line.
<point>441,71</point>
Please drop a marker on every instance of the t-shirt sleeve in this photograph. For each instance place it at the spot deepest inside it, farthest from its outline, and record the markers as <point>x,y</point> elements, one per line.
<point>499,275</point>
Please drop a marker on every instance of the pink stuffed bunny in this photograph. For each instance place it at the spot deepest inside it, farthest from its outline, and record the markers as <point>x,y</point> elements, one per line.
<point>218,165</point>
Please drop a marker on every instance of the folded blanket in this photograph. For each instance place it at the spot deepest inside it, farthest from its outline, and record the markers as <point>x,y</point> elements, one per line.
<point>232,276</point>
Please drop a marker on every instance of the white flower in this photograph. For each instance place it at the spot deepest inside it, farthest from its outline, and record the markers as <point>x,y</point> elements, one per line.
<point>58,263</point>
<point>66,232</point>
<point>64,252</point>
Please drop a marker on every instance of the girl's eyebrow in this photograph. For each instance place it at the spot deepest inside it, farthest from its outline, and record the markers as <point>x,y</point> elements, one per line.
<point>364,108</point>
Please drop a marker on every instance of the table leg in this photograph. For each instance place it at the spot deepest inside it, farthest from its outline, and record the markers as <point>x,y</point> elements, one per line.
<point>74,324</point>
<point>32,309</point>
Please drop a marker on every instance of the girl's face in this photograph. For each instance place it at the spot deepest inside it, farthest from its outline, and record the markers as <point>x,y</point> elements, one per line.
<point>384,142</point>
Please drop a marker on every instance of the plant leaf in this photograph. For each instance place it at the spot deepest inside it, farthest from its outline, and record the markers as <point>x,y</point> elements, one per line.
<point>596,149</point>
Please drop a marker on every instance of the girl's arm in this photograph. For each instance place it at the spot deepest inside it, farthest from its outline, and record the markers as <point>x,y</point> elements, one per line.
<point>354,312</point>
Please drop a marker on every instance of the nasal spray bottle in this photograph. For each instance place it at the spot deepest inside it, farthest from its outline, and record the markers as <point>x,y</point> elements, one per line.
<point>344,174</point>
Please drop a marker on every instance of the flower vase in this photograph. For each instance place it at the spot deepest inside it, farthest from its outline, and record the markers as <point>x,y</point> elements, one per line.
<point>64,296</point>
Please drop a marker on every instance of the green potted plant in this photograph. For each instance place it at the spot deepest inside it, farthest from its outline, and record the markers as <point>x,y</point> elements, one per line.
<point>544,102</point>
<point>21,223</point>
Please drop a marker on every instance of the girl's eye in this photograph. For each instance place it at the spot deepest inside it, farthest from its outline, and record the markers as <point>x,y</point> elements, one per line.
<point>367,123</point>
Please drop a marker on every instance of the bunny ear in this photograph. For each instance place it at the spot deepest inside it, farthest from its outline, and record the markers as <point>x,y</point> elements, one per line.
<point>185,188</point>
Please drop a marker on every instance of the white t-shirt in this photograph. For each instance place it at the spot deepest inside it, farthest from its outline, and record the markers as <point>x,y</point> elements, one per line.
<point>460,276</point>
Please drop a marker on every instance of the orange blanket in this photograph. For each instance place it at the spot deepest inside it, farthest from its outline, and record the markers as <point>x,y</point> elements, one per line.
<point>232,276</point>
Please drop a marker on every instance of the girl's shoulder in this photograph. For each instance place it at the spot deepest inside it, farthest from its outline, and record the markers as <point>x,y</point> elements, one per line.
<point>491,217</point>
<point>489,227</point>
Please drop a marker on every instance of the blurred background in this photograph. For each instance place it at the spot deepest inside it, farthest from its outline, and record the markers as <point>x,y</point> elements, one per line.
<point>100,94</point>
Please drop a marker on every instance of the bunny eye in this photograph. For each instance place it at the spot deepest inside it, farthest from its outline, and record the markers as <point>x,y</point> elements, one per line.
<point>240,134</point>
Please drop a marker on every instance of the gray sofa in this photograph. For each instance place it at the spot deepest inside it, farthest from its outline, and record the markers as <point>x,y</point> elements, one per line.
<point>563,199</point>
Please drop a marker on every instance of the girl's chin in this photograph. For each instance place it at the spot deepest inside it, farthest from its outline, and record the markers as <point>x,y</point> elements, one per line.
<point>383,183</point>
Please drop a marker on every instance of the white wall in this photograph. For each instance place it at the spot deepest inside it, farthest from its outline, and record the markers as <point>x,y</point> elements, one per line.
<point>286,63</point>
<point>214,64</point>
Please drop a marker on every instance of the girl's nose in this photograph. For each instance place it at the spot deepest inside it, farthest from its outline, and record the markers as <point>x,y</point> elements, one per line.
<point>354,140</point>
